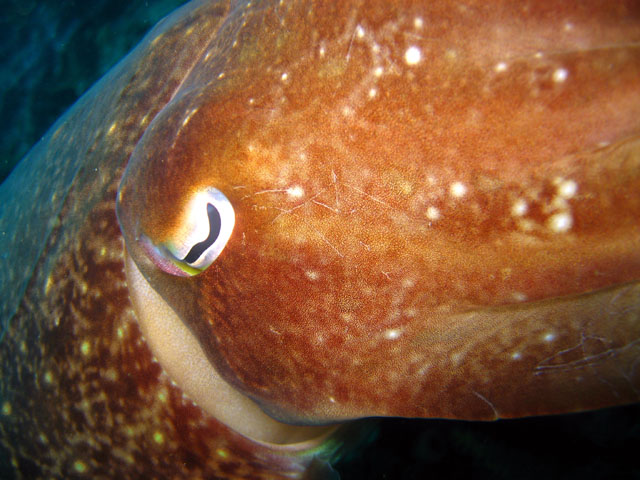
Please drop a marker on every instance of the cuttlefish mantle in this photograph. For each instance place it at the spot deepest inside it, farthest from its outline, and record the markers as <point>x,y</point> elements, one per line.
<point>428,208</point>
<point>325,211</point>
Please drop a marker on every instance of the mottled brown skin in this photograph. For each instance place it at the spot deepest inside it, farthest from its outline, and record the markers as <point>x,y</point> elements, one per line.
<point>81,395</point>
<point>436,207</point>
<point>355,298</point>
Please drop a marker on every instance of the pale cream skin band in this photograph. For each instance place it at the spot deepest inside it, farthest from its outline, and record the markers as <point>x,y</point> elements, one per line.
<point>181,356</point>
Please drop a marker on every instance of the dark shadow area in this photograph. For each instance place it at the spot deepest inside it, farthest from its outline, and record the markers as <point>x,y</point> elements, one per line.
<point>593,445</point>
<point>51,52</point>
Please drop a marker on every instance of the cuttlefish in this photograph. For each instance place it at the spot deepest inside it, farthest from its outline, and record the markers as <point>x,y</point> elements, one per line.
<point>273,218</point>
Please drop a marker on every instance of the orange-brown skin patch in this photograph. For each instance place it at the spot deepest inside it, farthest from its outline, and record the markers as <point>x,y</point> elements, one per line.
<point>433,220</point>
<point>436,207</point>
<point>81,395</point>
<point>88,399</point>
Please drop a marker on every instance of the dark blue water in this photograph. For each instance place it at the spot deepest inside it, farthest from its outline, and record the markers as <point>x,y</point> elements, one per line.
<point>52,51</point>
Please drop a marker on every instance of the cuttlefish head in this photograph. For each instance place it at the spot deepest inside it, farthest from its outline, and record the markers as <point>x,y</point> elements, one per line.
<point>427,211</point>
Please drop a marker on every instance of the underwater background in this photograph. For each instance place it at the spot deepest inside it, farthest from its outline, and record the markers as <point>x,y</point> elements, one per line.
<point>53,51</point>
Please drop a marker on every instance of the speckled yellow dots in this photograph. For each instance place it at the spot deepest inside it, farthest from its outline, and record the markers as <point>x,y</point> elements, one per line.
<point>47,285</point>
<point>79,466</point>
<point>158,438</point>
<point>222,453</point>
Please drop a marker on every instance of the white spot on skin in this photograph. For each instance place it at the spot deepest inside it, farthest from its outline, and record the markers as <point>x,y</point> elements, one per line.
<point>346,317</point>
<point>560,222</point>
<point>549,337</point>
<point>392,334</point>
<point>359,31</point>
<point>425,368</point>
<point>408,282</point>
<point>347,111</point>
<point>373,93</point>
<point>296,191</point>
<point>458,189</point>
<point>500,67</point>
<point>516,356</point>
<point>519,297</point>
<point>312,275</point>
<point>433,213</point>
<point>456,358</point>
<point>410,312</point>
<point>568,27</point>
<point>322,51</point>
<point>560,75</point>
<point>567,188</point>
<point>412,55</point>
<point>378,72</point>
<point>519,208</point>
<point>418,23</point>
<point>284,77</point>
<point>188,117</point>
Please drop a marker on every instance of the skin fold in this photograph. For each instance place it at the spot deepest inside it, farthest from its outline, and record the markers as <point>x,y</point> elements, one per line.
<point>435,216</point>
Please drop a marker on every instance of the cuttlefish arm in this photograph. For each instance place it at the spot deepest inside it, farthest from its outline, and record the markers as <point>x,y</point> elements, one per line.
<point>425,210</point>
<point>81,393</point>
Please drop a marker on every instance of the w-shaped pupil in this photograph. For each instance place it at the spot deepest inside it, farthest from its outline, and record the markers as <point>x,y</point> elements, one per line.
<point>214,230</point>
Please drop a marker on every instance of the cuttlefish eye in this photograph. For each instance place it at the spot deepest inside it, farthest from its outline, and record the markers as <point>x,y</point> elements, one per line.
<point>203,230</point>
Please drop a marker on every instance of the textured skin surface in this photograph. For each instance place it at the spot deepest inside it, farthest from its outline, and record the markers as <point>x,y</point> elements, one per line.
<point>437,216</point>
<point>436,207</point>
<point>81,394</point>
